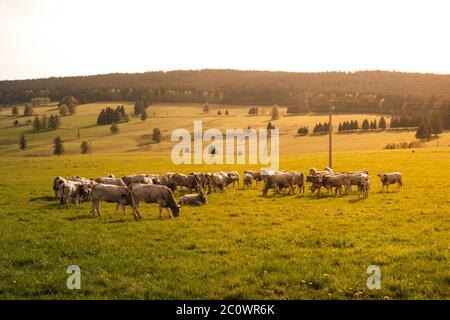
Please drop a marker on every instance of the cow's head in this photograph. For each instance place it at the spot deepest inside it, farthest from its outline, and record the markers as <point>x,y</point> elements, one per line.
<point>175,210</point>
<point>382,176</point>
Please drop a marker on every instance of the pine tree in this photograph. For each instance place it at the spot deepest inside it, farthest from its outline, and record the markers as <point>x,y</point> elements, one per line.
<point>423,131</point>
<point>382,123</point>
<point>206,107</point>
<point>275,115</point>
<point>156,135</point>
<point>84,147</point>
<point>219,113</point>
<point>143,115</point>
<point>365,125</point>
<point>114,128</point>
<point>72,108</point>
<point>23,142</point>
<point>63,110</point>
<point>226,112</point>
<point>44,123</point>
<point>58,147</point>
<point>36,123</point>
<point>28,110</point>
<point>138,108</point>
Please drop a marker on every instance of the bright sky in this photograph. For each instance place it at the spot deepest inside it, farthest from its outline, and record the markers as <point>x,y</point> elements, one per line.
<point>41,38</point>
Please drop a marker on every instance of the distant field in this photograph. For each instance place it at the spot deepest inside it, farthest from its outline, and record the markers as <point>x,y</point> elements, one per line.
<point>239,246</point>
<point>135,135</point>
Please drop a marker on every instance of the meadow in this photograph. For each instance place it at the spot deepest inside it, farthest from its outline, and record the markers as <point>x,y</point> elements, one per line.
<point>241,245</point>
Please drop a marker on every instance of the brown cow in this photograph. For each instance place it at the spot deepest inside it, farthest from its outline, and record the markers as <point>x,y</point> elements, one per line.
<point>390,178</point>
<point>277,181</point>
<point>153,193</point>
<point>109,193</point>
<point>189,181</point>
<point>248,180</point>
<point>255,174</point>
<point>197,199</point>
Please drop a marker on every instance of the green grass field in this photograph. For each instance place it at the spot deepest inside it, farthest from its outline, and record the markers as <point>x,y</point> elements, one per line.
<point>241,245</point>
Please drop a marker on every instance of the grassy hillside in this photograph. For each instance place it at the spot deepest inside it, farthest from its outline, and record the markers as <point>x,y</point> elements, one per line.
<point>240,245</point>
<point>135,135</point>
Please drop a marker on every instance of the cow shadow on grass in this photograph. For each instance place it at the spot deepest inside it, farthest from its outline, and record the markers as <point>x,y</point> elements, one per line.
<point>82,216</point>
<point>44,198</point>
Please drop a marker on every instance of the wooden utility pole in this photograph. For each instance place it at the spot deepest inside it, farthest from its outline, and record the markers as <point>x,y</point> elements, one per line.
<point>330,134</point>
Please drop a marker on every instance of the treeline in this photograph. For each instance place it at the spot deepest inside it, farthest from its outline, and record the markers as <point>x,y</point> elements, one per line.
<point>109,115</point>
<point>43,123</point>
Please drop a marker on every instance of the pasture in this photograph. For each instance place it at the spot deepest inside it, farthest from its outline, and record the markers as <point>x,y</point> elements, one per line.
<point>135,136</point>
<point>241,245</point>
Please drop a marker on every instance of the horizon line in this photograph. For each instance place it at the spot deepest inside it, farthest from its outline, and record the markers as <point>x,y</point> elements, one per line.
<point>221,69</point>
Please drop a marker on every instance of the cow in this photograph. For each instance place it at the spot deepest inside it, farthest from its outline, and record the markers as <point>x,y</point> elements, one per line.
<point>166,180</point>
<point>363,185</point>
<point>111,181</point>
<point>390,178</point>
<point>218,180</point>
<point>196,199</point>
<point>153,193</point>
<point>72,191</point>
<point>255,174</point>
<point>248,180</point>
<point>299,180</point>
<point>57,182</point>
<point>277,181</point>
<point>315,178</point>
<point>109,193</point>
<point>189,181</point>
<point>234,175</point>
<point>137,178</point>
<point>354,177</point>
<point>336,181</point>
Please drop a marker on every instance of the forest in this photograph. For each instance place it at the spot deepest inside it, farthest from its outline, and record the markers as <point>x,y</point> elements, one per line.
<point>366,91</point>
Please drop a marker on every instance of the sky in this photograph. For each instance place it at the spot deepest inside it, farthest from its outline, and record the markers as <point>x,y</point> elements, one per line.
<point>43,38</point>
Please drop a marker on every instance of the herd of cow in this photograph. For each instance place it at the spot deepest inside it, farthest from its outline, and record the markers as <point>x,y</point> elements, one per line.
<point>155,188</point>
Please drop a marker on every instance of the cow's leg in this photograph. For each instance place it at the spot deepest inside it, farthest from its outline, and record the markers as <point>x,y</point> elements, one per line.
<point>160,211</point>
<point>168,212</point>
<point>92,213</point>
<point>117,208</point>
<point>123,208</point>
<point>387,187</point>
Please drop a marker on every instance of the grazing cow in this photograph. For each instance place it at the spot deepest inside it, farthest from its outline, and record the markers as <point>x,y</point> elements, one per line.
<point>218,180</point>
<point>299,180</point>
<point>189,181</point>
<point>336,181</point>
<point>109,193</point>
<point>72,191</point>
<point>197,199</point>
<point>153,193</point>
<point>363,185</point>
<point>137,178</point>
<point>57,183</point>
<point>248,180</point>
<point>234,175</point>
<point>111,181</point>
<point>255,174</point>
<point>277,181</point>
<point>390,178</point>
